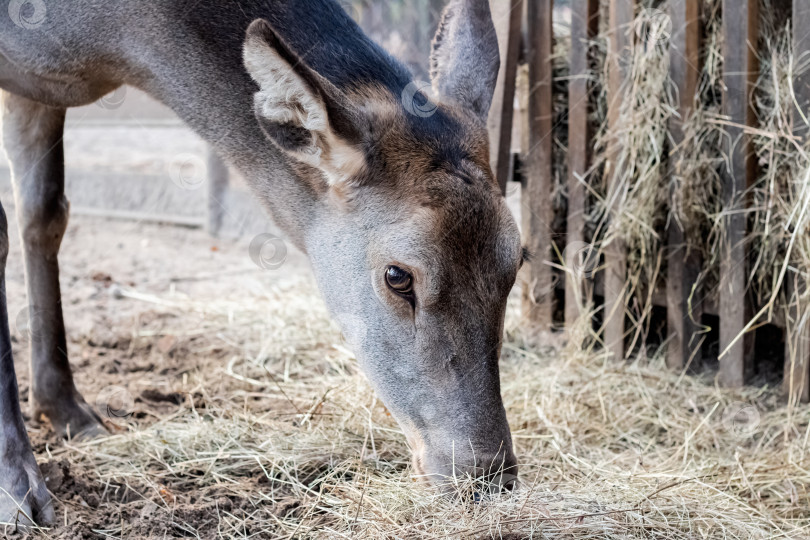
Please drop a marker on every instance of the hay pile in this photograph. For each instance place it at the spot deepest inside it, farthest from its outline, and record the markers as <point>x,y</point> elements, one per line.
<point>286,440</point>
<point>634,207</point>
<point>780,231</point>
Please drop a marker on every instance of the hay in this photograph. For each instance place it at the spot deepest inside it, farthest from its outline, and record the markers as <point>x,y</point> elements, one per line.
<point>779,236</point>
<point>607,449</point>
<point>634,199</point>
<point>697,172</point>
<point>631,199</point>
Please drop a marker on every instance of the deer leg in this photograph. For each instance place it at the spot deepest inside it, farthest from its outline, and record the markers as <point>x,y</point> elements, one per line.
<point>32,136</point>
<point>23,495</point>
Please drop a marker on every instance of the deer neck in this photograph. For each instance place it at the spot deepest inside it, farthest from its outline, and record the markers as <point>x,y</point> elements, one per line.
<point>198,72</point>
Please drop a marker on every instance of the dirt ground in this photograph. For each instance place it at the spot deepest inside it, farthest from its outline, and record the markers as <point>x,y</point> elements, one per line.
<point>119,361</point>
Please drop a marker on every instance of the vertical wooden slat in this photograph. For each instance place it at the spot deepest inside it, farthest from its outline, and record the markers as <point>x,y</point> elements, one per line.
<point>619,50</point>
<point>797,347</point>
<point>740,18</point>
<point>538,213</point>
<point>506,15</point>
<point>584,26</point>
<point>215,196</point>
<point>796,378</point>
<point>801,53</point>
<point>683,266</point>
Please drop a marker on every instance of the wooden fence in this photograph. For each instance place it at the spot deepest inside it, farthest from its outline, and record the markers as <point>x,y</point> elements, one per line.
<point>740,34</point>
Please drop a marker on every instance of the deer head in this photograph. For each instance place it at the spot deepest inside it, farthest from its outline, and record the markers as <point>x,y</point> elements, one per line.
<point>413,247</point>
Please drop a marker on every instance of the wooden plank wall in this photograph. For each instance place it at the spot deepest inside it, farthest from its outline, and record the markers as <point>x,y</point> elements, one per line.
<point>740,25</point>
<point>584,26</point>
<point>740,28</point>
<point>621,16</point>
<point>683,266</point>
<point>538,215</point>
<point>506,14</point>
<point>797,347</point>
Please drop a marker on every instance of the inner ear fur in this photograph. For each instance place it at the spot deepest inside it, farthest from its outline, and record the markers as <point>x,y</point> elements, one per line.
<point>301,111</point>
<point>465,59</point>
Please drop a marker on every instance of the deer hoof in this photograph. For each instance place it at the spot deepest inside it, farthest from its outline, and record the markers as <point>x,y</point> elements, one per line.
<point>74,418</point>
<point>24,499</point>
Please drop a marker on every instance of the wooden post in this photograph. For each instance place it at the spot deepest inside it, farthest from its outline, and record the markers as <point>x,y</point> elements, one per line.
<point>215,196</point>
<point>506,15</point>
<point>801,52</point>
<point>796,378</point>
<point>740,18</point>
<point>584,26</point>
<point>797,339</point>
<point>619,49</point>
<point>537,210</point>
<point>682,268</point>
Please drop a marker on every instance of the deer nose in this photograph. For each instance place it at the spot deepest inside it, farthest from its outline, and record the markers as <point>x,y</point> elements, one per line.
<point>492,471</point>
<point>504,482</point>
<point>499,471</point>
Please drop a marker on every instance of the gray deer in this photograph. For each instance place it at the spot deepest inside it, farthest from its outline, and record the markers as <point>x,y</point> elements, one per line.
<point>394,202</point>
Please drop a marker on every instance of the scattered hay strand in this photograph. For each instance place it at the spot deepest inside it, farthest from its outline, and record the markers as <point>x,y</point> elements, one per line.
<point>305,450</point>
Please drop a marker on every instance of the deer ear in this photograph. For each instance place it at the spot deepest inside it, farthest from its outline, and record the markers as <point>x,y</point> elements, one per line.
<point>465,60</point>
<point>303,113</point>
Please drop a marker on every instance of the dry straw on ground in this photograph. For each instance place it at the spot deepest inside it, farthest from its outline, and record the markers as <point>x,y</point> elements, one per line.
<point>294,444</point>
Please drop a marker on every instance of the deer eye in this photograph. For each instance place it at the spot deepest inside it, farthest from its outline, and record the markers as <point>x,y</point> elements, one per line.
<point>400,281</point>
